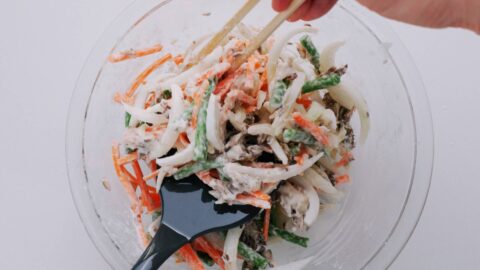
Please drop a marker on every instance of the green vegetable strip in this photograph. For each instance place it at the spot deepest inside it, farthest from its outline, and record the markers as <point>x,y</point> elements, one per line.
<point>312,51</point>
<point>251,255</point>
<point>128,118</point>
<point>205,259</point>
<point>322,82</point>
<point>277,94</point>
<point>201,143</point>
<point>196,167</point>
<point>187,113</point>
<point>288,236</point>
<point>300,136</point>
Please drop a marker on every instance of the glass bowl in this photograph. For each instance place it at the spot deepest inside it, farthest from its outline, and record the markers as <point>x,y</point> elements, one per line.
<point>391,174</point>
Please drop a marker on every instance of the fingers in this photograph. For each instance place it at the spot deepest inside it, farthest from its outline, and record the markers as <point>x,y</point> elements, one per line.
<point>301,11</point>
<point>318,9</point>
<point>280,5</point>
<point>310,10</point>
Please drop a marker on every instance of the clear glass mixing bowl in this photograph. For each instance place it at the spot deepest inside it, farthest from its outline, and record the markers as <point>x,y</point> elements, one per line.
<point>391,174</point>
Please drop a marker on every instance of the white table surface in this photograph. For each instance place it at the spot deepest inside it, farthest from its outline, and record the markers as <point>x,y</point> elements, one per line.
<point>43,45</point>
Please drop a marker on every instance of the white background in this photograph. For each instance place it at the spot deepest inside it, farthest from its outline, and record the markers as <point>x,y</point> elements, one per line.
<point>43,45</point>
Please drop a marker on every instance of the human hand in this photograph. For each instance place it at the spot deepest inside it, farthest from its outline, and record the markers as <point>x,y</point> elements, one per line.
<point>430,13</point>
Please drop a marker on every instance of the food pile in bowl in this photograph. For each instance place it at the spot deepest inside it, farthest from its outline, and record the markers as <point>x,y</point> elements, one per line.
<point>275,133</point>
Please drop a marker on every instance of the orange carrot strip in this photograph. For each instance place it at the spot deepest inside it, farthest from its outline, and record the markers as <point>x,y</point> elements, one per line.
<point>208,248</point>
<point>141,230</point>
<point>131,54</point>
<point>346,158</point>
<point>153,165</point>
<point>342,179</point>
<point>141,78</point>
<point>123,178</point>
<point>305,101</point>
<point>246,99</point>
<point>257,199</point>
<point>128,158</point>
<point>266,223</point>
<point>317,132</point>
<point>178,60</point>
<point>143,186</point>
<point>191,257</point>
<point>151,176</point>
<point>150,100</point>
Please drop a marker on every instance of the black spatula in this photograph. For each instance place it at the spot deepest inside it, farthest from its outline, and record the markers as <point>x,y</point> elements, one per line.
<point>188,211</point>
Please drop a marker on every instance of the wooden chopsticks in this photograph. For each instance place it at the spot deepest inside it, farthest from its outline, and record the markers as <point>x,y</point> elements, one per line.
<point>257,41</point>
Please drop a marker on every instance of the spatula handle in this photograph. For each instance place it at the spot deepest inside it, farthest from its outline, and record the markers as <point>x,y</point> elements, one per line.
<point>163,245</point>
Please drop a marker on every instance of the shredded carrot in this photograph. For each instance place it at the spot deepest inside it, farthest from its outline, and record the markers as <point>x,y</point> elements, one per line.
<point>147,200</point>
<point>183,138</point>
<point>153,165</point>
<point>151,176</point>
<point>141,231</point>
<point>347,157</point>
<point>141,78</point>
<point>246,99</point>
<point>342,179</point>
<point>264,82</point>
<point>250,109</point>
<point>131,54</point>
<point>223,87</point>
<point>178,60</point>
<point>266,223</point>
<point>155,128</point>
<point>150,100</point>
<point>191,257</point>
<point>317,132</point>
<point>257,199</point>
<point>205,177</point>
<point>123,178</point>
<point>300,157</point>
<point>128,158</point>
<point>202,244</point>
<point>305,101</point>
<point>197,101</point>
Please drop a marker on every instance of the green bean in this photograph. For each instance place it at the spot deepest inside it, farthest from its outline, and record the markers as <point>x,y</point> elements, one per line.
<point>288,236</point>
<point>278,93</point>
<point>128,118</point>
<point>196,167</point>
<point>300,136</point>
<point>205,259</point>
<point>325,81</point>
<point>201,144</point>
<point>311,50</point>
<point>251,255</point>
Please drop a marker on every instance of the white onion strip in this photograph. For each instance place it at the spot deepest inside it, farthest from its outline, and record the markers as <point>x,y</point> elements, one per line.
<point>278,150</point>
<point>171,133</point>
<point>273,175</point>
<point>145,116</point>
<point>214,130</point>
<point>179,158</point>
<point>259,129</point>
<point>313,201</point>
<point>278,47</point>
<point>230,249</point>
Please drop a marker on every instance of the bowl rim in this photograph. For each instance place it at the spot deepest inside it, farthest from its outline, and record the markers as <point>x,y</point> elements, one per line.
<point>133,14</point>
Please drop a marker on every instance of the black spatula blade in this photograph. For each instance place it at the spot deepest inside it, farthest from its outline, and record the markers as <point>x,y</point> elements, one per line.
<point>189,211</point>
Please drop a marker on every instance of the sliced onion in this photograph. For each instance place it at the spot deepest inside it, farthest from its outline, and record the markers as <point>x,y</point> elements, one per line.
<point>278,150</point>
<point>259,129</point>
<point>171,133</point>
<point>183,77</point>
<point>161,175</point>
<point>273,175</point>
<point>313,201</point>
<point>154,226</point>
<point>237,119</point>
<point>179,158</point>
<point>278,47</point>
<point>145,116</point>
<point>262,96</point>
<point>327,55</point>
<point>214,129</point>
<point>287,105</point>
<point>230,249</point>
<point>344,95</point>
